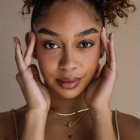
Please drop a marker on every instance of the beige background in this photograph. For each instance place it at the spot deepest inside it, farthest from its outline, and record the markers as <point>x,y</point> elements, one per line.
<point>125,97</point>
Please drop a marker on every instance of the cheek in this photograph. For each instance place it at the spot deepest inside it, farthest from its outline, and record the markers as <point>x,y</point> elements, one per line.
<point>91,62</point>
<point>93,58</point>
<point>47,64</point>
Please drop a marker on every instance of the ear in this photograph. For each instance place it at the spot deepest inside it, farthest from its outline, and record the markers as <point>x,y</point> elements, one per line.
<point>102,50</point>
<point>27,39</point>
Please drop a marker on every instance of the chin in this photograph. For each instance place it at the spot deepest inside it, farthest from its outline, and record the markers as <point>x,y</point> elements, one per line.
<point>69,94</point>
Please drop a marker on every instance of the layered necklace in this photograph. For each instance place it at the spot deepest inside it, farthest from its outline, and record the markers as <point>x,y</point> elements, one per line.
<point>71,123</point>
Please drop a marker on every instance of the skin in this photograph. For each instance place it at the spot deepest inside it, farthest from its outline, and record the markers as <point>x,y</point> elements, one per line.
<point>68,60</point>
<point>94,90</point>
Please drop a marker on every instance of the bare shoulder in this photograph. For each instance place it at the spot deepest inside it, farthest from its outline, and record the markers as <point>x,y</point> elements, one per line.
<point>128,126</point>
<point>7,126</point>
<point>3,117</point>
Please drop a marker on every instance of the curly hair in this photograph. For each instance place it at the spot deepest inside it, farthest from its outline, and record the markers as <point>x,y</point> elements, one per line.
<point>105,9</point>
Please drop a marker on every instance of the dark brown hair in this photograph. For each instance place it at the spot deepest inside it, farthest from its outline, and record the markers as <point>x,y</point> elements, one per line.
<point>105,9</point>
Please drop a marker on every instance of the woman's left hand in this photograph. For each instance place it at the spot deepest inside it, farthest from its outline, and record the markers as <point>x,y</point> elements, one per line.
<point>99,90</point>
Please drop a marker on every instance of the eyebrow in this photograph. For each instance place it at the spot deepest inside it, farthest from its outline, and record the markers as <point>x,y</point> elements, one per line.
<point>83,33</point>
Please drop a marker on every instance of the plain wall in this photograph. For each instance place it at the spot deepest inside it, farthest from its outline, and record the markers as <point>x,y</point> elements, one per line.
<point>125,96</point>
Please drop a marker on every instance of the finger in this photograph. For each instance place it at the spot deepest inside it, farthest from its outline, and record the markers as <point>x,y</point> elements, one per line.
<point>105,41</point>
<point>27,39</point>
<point>19,57</point>
<point>29,52</point>
<point>35,72</point>
<point>97,73</point>
<point>113,59</point>
<point>17,40</point>
<point>107,37</point>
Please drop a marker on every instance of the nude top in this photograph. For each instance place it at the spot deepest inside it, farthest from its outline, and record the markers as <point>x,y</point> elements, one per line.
<point>16,130</point>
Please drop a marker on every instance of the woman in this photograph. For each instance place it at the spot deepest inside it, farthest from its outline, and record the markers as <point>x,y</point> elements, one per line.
<point>74,100</point>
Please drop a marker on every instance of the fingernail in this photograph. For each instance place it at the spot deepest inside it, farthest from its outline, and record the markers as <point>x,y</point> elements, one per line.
<point>30,34</point>
<point>17,41</point>
<point>112,38</point>
<point>103,29</point>
<point>113,35</point>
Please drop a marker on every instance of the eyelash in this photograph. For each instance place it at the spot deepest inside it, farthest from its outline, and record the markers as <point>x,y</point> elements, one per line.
<point>55,44</point>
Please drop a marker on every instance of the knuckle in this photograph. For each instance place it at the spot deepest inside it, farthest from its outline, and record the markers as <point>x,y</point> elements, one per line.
<point>115,76</point>
<point>18,77</point>
<point>26,75</point>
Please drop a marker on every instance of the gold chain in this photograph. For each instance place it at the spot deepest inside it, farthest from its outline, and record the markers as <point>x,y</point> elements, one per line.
<point>70,113</point>
<point>71,123</point>
<point>76,126</point>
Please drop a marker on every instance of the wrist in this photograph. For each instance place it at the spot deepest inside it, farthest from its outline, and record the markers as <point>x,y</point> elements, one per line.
<point>38,113</point>
<point>106,112</point>
<point>98,109</point>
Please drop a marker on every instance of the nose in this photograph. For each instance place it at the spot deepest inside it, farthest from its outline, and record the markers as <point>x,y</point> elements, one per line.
<point>69,60</point>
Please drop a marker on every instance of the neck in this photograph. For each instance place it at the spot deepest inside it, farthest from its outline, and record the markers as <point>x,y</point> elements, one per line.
<point>66,106</point>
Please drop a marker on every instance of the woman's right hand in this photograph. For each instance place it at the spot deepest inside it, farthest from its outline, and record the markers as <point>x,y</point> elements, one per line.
<point>34,91</point>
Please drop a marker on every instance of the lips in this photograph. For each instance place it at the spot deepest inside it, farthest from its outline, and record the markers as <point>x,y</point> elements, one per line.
<point>66,79</point>
<point>68,82</point>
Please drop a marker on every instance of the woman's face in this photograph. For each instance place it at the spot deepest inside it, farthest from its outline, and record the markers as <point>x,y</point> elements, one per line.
<point>69,55</point>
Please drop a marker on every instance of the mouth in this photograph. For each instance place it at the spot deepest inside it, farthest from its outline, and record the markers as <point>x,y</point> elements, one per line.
<point>68,83</point>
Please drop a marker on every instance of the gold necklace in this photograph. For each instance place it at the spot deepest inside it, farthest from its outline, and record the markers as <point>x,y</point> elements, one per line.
<point>70,136</point>
<point>71,123</point>
<point>70,113</point>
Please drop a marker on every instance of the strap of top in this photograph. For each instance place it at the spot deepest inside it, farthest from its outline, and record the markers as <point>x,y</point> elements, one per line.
<point>117,124</point>
<point>14,116</point>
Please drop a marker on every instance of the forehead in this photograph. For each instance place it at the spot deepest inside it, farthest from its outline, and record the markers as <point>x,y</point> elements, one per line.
<point>70,16</point>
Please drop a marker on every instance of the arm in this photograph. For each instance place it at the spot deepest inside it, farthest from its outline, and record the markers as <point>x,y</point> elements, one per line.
<point>102,125</point>
<point>99,90</point>
<point>35,92</point>
<point>35,123</point>
<point>2,126</point>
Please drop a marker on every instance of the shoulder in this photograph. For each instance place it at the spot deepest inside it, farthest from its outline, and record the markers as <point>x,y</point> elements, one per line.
<point>3,117</point>
<point>128,126</point>
<point>7,126</point>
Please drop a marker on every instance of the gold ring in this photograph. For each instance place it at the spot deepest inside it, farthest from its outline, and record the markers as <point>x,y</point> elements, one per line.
<point>17,67</point>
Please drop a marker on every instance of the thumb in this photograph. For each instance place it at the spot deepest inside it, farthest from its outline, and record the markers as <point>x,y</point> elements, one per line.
<point>35,72</point>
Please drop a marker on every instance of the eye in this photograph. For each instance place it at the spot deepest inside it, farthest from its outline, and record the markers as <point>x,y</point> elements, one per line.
<point>86,44</point>
<point>49,45</point>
